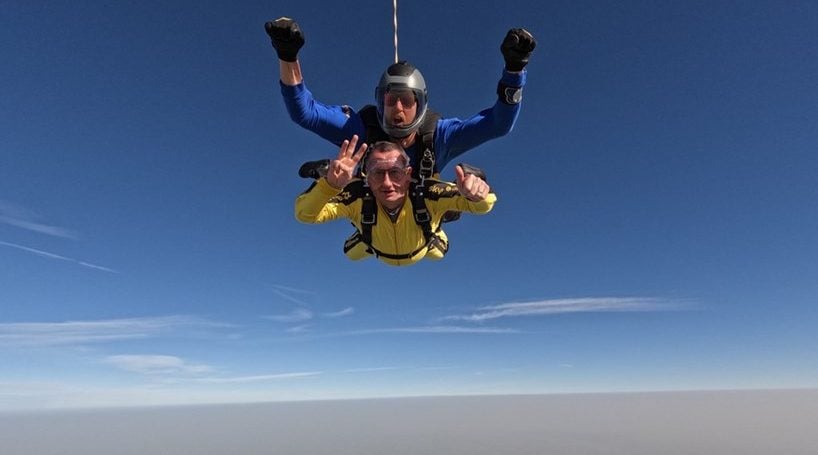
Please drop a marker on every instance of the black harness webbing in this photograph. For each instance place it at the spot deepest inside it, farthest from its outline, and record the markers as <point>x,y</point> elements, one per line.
<point>426,168</point>
<point>369,218</point>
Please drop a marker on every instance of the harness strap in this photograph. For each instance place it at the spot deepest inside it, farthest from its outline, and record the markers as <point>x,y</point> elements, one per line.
<point>369,215</point>
<point>358,238</point>
<point>379,253</point>
<point>427,168</point>
<point>422,217</point>
<point>427,165</point>
<point>420,212</point>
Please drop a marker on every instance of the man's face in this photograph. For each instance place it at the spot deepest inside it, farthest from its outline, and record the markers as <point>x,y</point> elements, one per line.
<point>388,177</point>
<point>399,107</point>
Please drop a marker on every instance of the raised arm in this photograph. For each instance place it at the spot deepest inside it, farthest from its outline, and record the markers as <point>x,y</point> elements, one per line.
<point>332,122</point>
<point>287,39</point>
<point>456,136</point>
<point>319,204</point>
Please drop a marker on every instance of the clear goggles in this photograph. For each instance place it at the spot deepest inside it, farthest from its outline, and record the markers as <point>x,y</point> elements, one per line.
<point>379,169</point>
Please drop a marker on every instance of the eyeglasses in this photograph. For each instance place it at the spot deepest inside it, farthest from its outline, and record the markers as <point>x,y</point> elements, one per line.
<point>407,99</point>
<point>395,173</point>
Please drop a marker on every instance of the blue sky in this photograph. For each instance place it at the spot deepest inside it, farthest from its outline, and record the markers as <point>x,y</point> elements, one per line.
<point>655,228</point>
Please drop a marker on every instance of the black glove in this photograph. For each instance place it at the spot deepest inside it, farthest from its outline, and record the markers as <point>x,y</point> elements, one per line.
<point>469,169</point>
<point>286,36</point>
<point>517,47</point>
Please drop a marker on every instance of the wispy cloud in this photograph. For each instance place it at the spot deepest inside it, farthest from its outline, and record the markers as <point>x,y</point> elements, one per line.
<point>303,328</point>
<point>17,216</point>
<point>302,314</point>
<point>296,315</point>
<point>292,294</point>
<point>436,329</point>
<point>339,314</point>
<point>85,332</point>
<point>258,378</point>
<point>156,364</point>
<point>561,306</point>
<point>97,267</point>
<point>369,370</point>
<point>293,290</point>
<point>46,254</point>
<point>438,368</point>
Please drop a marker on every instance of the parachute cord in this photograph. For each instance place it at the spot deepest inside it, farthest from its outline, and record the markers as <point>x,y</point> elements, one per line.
<point>395,26</point>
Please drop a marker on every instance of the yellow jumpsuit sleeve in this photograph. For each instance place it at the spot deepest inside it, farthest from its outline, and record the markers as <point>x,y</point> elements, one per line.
<point>316,206</point>
<point>479,207</point>
<point>450,199</point>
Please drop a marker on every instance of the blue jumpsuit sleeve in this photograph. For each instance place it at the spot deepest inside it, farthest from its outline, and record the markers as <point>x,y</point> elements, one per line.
<point>455,136</point>
<point>331,122</point>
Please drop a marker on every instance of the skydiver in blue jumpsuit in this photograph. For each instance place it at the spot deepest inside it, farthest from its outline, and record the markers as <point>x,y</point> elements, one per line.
<point>401,104</point>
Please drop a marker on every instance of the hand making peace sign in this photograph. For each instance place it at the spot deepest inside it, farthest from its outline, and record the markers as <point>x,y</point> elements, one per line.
<point>342,168</point>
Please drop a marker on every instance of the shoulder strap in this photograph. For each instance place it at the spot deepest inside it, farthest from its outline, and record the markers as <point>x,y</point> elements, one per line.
<point>428,160</point>
<point>420,212</point>
<point>427,129</point>
<point>369,216</point>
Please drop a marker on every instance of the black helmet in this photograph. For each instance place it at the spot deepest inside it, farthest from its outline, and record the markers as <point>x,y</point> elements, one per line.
<point>401,76</point>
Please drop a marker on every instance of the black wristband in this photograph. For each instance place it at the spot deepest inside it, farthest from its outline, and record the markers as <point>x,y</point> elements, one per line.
<point>508,94</point>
